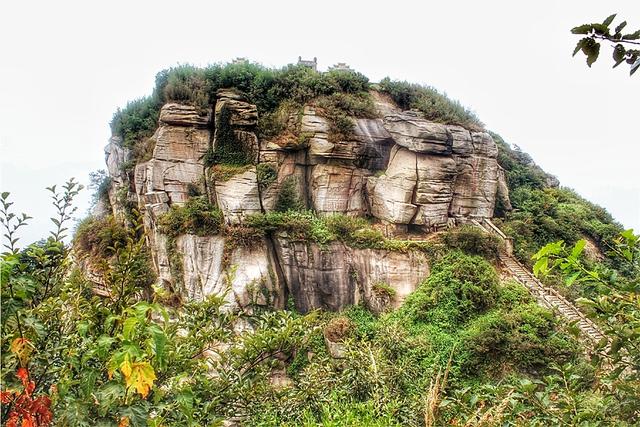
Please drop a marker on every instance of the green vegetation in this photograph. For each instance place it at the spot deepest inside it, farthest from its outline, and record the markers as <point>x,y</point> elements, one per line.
<point>542,213</point>
<point>265,87</point>
<point>471,240</point>
<point>463,349</point>
<point>197,216</point>
<point>224,172</point>
<point>615,307</point>
<point>99,238</point>
<point>434,105</point>
<point>289,198</point>
<point>356,232</point>
<point>229,149</point>
<point>625,49</point>
<point>266,174</point>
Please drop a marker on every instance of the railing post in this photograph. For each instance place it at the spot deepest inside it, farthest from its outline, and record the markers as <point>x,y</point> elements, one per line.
<point>508,246</point>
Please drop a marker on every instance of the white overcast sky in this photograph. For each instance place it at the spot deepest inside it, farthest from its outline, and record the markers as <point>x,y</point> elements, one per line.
<point>65,66</point>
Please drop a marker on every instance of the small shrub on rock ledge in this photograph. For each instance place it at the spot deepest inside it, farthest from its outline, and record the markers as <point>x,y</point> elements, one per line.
<point>197,216</point>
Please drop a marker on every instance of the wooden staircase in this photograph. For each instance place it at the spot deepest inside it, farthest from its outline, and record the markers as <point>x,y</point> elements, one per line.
<point>544,295</point>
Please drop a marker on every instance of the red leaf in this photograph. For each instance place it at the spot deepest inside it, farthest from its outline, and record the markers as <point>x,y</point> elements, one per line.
<point>5,396</point>
<point>23,374</point>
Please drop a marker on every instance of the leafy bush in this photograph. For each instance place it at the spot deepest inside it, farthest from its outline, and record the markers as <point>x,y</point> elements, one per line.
<point>229,149</point>
<point>137,121</point>
<point>99,238</point>
<point>266,174</point>
<point>289,197</point>
<point>523,336</point>
<point>197,216</point>
<point>460,286</point>
<point>434,105</point>
<point>186,84</point>
<point>471,240</point>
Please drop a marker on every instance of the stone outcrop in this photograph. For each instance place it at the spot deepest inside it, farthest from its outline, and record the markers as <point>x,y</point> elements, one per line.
<point>243,276</point>
<point>408,129</point>
<point>238,196</point>
<point>399,169</point>
<point>338,276</point>
<point>179,146</point>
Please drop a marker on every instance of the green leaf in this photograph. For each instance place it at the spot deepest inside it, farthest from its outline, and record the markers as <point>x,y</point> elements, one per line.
<point>582,29</point>
<point>579,45</point>
<point>592,50</point>
<point>578,248</point>
<point>572,278</point>
<point>541,266</point>
<point>621,26</point>
<point>127,330</point>
<point>618,54</point>
<point>609,20</point>
<point>632,36</point>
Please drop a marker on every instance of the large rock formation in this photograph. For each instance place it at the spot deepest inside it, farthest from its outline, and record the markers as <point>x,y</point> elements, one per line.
<point>399,169</point>
<point>338,276</point>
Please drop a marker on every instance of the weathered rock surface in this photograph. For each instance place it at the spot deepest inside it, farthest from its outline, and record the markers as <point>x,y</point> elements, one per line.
<point>242,113</point>
<point>115,157</point>
<point>183,115</point>
<point>408,129</point>
<point>392,193</point>
<point>338,276</point>
<point>238,197</point>
<point>338,189</point>
<point>401,169</point>
<point>177,155</point>
<point>247,278</point>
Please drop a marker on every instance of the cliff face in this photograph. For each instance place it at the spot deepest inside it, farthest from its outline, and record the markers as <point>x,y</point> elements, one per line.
<point>406,173</point>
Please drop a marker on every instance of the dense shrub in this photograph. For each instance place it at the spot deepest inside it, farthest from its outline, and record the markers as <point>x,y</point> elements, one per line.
<point>99,238</point>
<point>266,174</point>
<point>136,121</point>
<point>229,149</point>
<point>544,213</point>
<point>524,336</point>
<point>186,84</point>
<point>434,105</point>
<point>472,240</point>
<point>197,216</point>
<point>460,286</point>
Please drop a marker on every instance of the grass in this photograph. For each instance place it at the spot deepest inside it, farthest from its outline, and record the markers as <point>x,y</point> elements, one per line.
<point>435,106</point>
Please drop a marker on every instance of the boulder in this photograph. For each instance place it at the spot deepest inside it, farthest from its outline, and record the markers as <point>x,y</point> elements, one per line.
<point>408,129</point>
<point>484,145</point>
<point>434,189</point>
<point>338,189</point>
<point>462,144</point>
<point>391,194</point>
<point>475,187</point>
<point>184,115</point>
<point>238,196</point>
<point>242,112</point>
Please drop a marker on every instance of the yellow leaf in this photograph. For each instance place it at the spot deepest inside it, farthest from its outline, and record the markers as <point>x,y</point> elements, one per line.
<point>141,377</point>
<point>125,367</point>
<point>22,348</point>
<point>124,422</point>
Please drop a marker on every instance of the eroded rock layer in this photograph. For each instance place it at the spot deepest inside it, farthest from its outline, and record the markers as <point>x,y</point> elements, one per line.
<point>398,169</point>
